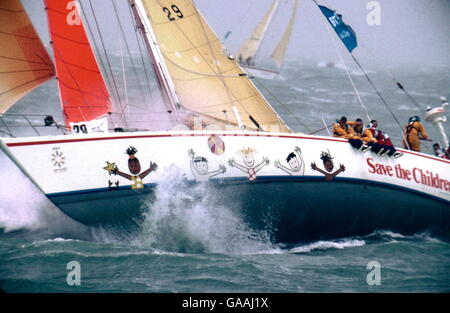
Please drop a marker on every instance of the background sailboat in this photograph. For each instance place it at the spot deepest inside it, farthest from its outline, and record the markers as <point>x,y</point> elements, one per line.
<point>249,51</point>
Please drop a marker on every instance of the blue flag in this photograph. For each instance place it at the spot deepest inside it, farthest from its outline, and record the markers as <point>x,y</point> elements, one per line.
<point>344,31</point>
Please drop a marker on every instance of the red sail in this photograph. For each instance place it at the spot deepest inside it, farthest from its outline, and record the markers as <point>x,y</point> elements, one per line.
<point>83,92</point>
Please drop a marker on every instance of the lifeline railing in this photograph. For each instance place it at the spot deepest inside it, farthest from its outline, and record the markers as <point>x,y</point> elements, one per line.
<point>20,124</point>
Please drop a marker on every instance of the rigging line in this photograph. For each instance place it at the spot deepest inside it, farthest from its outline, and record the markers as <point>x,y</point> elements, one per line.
<point>323,128</point>
<point>200,20</point>
<point>211,50</point>
<point>155,58</point>
<point>66,65</point>
<point>400,86</point>
<point>282,104</point>
<point>199,73</point>
<point>267,105</point>
<point>26,83</point>
<point>107,58</point>
<point>382,100</point>
<point>397,83</point>
<point>141,54</point>
<point>27,71</point>
<point>22,60</point>
<point>17,35</point>
<point>77,66</point>
<point>376,90</point>
<point>94,41</point>
<point>378,93</point>
<point>124,79</point>
<point>348,73</point>
<point>128,48</point>
<point>326,126</point>
<point>106,53</point>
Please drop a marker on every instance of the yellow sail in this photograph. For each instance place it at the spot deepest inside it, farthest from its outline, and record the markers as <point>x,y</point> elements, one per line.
<point>280,51</point>
<point>206,80</point>
<point>249,49</point>
<point>24,62</point>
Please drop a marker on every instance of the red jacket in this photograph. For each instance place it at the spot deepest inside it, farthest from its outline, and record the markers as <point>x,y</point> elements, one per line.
<point>383,139</point>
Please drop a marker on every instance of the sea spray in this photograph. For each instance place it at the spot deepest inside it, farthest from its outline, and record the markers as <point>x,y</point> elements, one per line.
<point>191,217</point>
<point>23,207</point>
<point>325,245</point>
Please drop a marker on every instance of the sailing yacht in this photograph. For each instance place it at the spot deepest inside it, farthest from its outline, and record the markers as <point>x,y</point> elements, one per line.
<point>247,54</point>
<point>214,127</point>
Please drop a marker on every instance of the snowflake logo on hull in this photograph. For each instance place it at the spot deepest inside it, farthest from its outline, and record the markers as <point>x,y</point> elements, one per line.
<point>58,160</point>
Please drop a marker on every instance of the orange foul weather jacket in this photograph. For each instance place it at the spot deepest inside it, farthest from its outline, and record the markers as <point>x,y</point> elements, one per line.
<point>413,133</point>
<point>364,134</point>
<point>343,132</point>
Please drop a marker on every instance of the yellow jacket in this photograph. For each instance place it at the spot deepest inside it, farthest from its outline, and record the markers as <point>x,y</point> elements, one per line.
<point>347,133</point>
<point>366,134</point>
<point>413,133</point>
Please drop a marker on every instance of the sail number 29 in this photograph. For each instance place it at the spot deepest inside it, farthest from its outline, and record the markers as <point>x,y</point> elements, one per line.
<point>177,12</point>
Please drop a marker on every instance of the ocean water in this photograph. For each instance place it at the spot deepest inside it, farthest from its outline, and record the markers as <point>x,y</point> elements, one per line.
<point>194,246</point>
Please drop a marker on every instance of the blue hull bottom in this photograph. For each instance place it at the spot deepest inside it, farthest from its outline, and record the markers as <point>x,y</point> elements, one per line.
<point>303,209</point>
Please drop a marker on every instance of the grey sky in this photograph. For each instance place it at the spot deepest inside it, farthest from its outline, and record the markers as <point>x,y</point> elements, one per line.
<point>411,31</point>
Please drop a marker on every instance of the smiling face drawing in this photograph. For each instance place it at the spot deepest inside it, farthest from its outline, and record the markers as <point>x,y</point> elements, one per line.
<point>249,160</point>
<point>293,162</point>
<point>328,164</point>
<point>201,166</point>
<point>134,166</point>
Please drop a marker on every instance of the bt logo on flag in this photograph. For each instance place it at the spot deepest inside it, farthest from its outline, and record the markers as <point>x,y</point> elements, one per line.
<point>344,34</point>
<point>334,20</point>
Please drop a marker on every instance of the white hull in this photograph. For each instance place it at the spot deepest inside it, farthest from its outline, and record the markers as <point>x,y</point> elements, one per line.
<point>70,170</point>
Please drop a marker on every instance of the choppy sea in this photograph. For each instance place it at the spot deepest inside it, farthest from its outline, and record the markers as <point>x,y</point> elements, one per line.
<point>187,246</point>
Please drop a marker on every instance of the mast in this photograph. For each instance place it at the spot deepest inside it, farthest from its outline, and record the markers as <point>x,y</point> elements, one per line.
<point>164,80</point>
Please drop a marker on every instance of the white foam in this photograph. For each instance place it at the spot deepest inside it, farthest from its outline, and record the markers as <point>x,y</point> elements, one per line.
<point>190,218</point>
<point>23,206</point>
<point>324,245</point>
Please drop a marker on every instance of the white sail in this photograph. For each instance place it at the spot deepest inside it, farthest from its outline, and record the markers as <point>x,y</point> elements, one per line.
<point>250,48</point>
<point>280,51</point>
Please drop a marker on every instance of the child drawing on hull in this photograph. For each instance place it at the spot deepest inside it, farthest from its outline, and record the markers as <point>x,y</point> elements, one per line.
<point>249,163</point>
<point>199,167</point>
<point>328,165</point>
<point>295,161</point>
<point>134,166</point>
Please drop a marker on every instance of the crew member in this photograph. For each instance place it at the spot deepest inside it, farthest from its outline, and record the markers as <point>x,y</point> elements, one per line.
<point>361,132</point>
<point>414,131</point>
<point>343,130</point>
